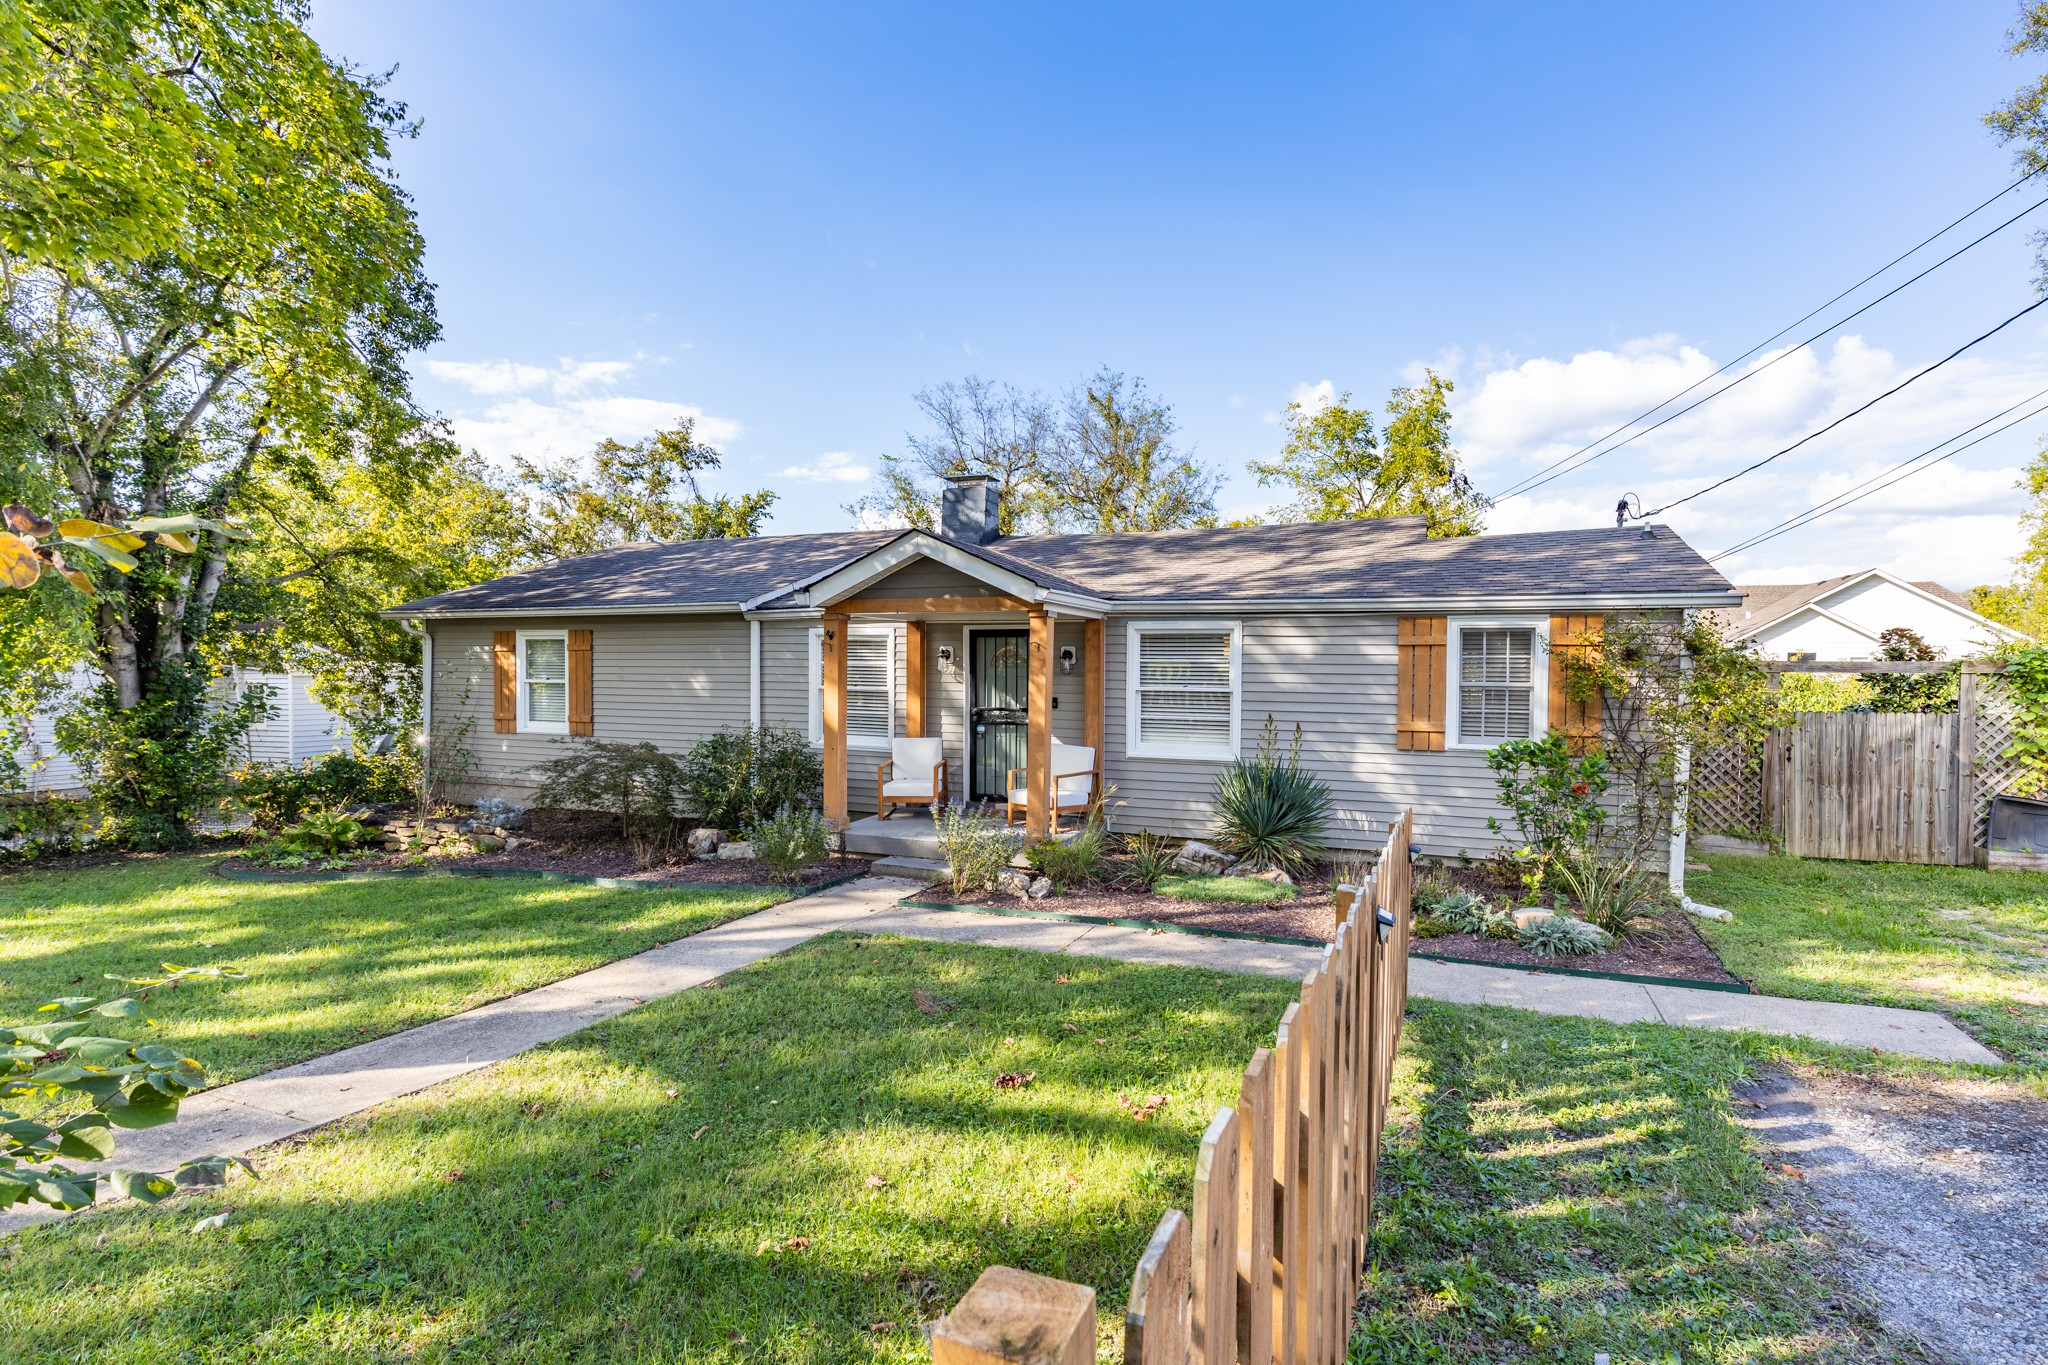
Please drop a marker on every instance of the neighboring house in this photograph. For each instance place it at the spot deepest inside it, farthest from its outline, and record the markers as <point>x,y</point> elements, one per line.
<point>297,728</point>
<point>1163,653</point>
<point>1841,618</point>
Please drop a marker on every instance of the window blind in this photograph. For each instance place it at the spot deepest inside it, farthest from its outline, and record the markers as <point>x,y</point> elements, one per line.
<point>547,681</point>
<point>1184,689</point>
<point>870,709</point>
<point>1494,684</point>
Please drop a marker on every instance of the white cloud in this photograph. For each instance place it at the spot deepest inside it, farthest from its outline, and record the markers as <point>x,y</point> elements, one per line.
<point>526,426</point>
<point>494,377</point>
<point>835,466</point>
<point>1955,523</point>
<point>1312,397</point>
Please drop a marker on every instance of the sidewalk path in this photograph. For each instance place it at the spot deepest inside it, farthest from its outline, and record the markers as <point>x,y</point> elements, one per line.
<point>238,1118</point>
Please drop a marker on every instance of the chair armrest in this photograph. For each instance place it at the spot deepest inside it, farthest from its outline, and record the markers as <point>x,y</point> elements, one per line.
<point>887,765</point>
<point>1010,782</point>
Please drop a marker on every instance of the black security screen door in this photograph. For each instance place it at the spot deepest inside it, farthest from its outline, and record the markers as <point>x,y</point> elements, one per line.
<point>998,721</point>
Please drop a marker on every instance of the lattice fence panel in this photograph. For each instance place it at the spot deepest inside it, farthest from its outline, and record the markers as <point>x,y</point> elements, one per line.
<point>1997,718</point>
<point>1727,795</point>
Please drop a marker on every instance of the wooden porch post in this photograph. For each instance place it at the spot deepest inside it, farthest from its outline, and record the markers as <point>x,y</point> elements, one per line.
<point>1091,693</point>
<point>913,680</point>
<point>834,708</point>
<point>1038,743</point>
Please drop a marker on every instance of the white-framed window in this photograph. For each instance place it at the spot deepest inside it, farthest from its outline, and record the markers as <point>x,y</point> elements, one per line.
<point>1500,673</point>
<point>543,657</point>
<point>870,686</point>
<point>1181,689</point>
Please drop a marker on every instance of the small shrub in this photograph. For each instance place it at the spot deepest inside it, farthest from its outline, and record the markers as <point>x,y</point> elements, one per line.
<point>977,848</point>
<point>1612,896</point>
<point>1224,890</point>
<point>277,795</point>
<point>736,777</point>
<point>322,834</point>
<point>637,784</point>
<point>1553,795</point>
<point>1151,857</point>
<point>1562,936</point>
<point>48,824</point>
<point>788,841</point>
<point>1428,926</point>
<point>1465,912</point>
<point>1074,862</point>
<point>1272,810</point>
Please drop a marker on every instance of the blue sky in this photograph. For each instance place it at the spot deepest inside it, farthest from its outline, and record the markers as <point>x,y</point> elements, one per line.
<point>787,219</point>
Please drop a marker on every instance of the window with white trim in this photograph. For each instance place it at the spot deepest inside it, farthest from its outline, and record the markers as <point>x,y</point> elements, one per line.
<point>870,686</point>
<point>1498,681</point>
<point>1181,689</point>
<point>544,681</point>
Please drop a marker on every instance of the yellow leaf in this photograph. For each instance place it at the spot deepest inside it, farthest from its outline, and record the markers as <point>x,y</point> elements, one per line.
<point>79,581</point>
<point>84,528</point>
<point>184,545</point>
<point>19,567</point>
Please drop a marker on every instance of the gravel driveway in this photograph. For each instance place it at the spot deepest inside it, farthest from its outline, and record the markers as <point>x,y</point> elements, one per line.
<point>1935,1192</point>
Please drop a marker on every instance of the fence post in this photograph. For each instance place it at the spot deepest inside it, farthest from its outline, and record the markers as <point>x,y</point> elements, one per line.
<point>1012,1317</point>
<point>1255,1212</point>
<point>1159,1323</point>
<point>1215,1243</point>
<point>1965,767</point>
<point>1287,1192</point>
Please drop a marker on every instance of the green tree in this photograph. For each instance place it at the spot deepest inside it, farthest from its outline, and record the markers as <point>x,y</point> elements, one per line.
<point>2023,119</point>
<point>644,491</point>
<point>1113,465</point>
<point>976,427</point>
<point>1339,468</point>
<point>2022,603</point>
<point>1911,691</point>
<point>244,326</point>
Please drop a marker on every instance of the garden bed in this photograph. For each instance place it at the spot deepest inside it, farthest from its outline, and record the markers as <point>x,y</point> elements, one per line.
<point>1668,946</point>
<point>1309,914</point>
<point>615,864</point>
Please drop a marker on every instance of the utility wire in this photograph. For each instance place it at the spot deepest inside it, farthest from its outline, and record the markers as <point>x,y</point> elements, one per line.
<point>1814,514</point>
<point>1909,379</point>
<point>1553,472</point>
<point>1857,492</point>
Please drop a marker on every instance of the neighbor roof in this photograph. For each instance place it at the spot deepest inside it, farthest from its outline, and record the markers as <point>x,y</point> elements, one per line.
<point>1387,558</point>
<point>1765,604</point>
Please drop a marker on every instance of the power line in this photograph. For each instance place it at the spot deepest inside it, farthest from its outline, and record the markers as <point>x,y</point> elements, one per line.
<point>1910,379</point>
<point>1545,475</point>
<point>1882,480</point>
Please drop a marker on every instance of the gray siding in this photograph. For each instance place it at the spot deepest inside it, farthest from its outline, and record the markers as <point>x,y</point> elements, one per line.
<point>670,680</point>
<point>786,699</point>
<point>946,695</point>
<point>927,578</point>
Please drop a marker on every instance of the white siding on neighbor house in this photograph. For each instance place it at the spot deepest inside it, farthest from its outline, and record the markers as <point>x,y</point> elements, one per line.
<point>668,680</point>
<point>1335,676</point>
<point>1875,604</point>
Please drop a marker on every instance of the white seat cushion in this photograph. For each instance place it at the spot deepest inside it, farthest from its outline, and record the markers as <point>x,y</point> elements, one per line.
<point>909,786</point>
<point>915,757</point>
<point>1077,764</point>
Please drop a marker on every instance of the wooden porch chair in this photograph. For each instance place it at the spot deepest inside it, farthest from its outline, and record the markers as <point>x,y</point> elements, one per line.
<point>914,774</point>
<point>1073,784</point>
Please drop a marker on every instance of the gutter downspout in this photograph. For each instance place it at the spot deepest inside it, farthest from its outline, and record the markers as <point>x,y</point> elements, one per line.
<point>753,675</point>
<point>1680,809</point>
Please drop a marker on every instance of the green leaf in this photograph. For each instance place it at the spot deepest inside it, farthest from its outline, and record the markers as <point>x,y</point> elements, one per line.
<point>144,1107</point>
<point>14,1188</point>
<point>92,1050</point>
<point>187,523</point>
<point>87,1138</point>
<point>100,1086</point>
<point>26,1130</point>
<point>208,1171</point>
<point>120,559</point>
<point>156,1054</point>
<point>147,1186</point>
<point>67,1192</point>
<point>124,1007</point>
<point>49,1035</point>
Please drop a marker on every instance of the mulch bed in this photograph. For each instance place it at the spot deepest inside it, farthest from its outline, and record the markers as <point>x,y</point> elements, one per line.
<point>1667,946</point>
<point>1308,915</point>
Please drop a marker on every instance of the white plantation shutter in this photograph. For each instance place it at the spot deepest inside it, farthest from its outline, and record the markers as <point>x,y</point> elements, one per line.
<point>870,697</point>
<point>1184,691</point>
<point>1495,684</point>
<point>547,680</point>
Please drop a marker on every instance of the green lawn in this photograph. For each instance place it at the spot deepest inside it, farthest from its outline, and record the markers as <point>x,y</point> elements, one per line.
<point>1560,1187</point>
<point>801,1163</point>
<point>1971,944</point>
<point>329,963</point>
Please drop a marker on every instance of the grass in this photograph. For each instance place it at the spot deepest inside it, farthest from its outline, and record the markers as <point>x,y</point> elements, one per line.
<point>1222,890</point>
<point>330,963</point>
<point>1971,944</point>
<point>1560,1187</point>
<point>801,1163</point>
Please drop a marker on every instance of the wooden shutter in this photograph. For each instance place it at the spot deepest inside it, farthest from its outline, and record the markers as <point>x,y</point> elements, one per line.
<point>1574,638</point>
<point>505,681</point>
<point>579,682</point>
<point>1423,672</point>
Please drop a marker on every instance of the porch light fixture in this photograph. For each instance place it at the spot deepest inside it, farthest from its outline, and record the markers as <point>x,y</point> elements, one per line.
<point>946,658</point>
<point>1067,657</point>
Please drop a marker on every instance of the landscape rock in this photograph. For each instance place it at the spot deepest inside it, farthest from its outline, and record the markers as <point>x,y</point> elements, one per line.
<point>735,852</point>
<point>1277,876</point>
<point>835,842</point>
<point>1011,882</point>
<point>704,842</point>
<point>1039,889</point>
<point>1196,856</point>
<point>1524,918</point>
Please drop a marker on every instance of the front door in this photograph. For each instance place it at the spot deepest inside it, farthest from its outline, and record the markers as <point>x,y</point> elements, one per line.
<point>998,725</point>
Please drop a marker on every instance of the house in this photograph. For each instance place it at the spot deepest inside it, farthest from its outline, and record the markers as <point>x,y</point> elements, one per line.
<point>1161,654</point>
<point>297,727</point>
<point>1841,618</point>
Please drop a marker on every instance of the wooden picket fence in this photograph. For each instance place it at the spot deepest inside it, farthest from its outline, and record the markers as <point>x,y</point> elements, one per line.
<point>1267,1269</point>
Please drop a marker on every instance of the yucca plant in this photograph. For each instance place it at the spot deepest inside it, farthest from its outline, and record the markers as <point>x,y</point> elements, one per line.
<point>1612,896</point>
<point>1151,857</point>
<point>1271,810</point>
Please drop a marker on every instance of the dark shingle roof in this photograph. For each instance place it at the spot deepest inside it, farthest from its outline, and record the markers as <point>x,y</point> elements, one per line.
<point>1384,558</point>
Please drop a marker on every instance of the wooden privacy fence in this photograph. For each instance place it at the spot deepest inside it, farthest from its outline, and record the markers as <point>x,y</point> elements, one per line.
<point>1267,1269</point>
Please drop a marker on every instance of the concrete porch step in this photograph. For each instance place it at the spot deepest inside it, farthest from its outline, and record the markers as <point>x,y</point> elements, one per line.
<point>915,869</point>
<point>902,836</point>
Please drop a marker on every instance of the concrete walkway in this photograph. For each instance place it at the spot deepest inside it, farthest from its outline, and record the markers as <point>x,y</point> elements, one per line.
<point>238,1118</point>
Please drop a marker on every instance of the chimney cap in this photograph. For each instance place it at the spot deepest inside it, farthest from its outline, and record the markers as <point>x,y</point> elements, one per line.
<point>970,477</point>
